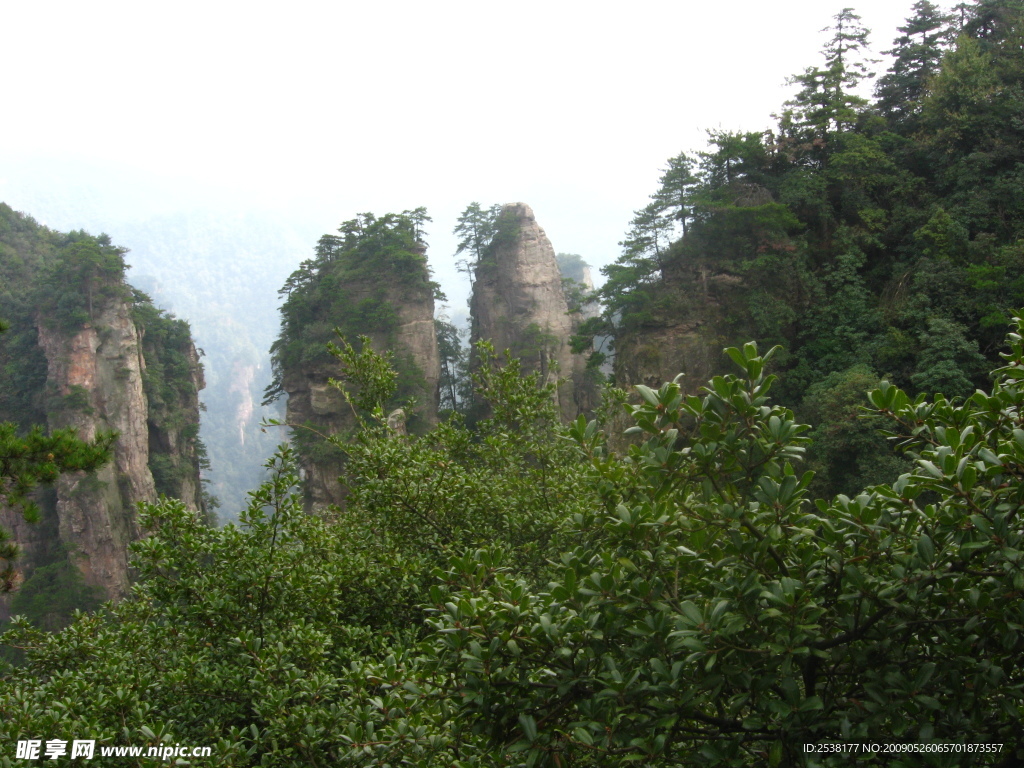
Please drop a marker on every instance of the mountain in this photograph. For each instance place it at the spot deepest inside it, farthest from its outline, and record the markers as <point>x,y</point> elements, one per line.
<point>372,284</point>
<point>87,351</point>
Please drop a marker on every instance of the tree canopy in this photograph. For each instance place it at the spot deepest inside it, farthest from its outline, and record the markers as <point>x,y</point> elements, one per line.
<point>876,236</point>
<point>550,601</point>
<point>342,288</point>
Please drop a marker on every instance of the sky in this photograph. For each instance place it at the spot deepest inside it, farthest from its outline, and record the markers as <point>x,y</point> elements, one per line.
<point>316,111</point>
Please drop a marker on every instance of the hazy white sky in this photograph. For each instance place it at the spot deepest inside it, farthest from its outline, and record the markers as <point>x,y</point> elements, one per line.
<point>330,109</point>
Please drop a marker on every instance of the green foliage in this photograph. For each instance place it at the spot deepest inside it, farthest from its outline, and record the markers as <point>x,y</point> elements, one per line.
<point>22,375</point>
<point>681,604</point>
<point>849,452</point>
<point>475,228</point>
<point>721,619</point>
<point>231,639</point>
<point>77,400</point>
<point>52,594</point>
<point>572,267</point>
<point>455,490</point>
<point>576,283</point>
<point>64,283</point>
<point>77,284</point>
<point>883,235</point>
<point>675,198</point>
<point>26,248</point>
<point>948,360</point>
<point>276,640</point>
<point>455,385</point>
<point>352,285</point>
<point>917,53</point>
<point>826,102</point>
<point>367,380</point>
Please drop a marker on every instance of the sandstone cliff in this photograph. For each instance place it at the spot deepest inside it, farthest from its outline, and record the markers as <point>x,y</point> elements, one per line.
<point>372,283</point>
<point>686,338</point>
<point>97,373</point>
<point>518,303</point>
<point>88,352</point>
<point>314,404</point>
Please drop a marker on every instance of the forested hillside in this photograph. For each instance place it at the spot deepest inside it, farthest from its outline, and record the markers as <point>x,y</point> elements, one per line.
<point>872,239</point>
<point>695,574</point>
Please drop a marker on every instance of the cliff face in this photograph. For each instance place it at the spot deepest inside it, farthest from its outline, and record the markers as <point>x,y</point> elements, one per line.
<point>688,339</point>
<point>97,383</point>
<point>314,403</point>
<point>659,354</point>
<point>97,373</point>
<point>518,302</point>
<point>100,358</point>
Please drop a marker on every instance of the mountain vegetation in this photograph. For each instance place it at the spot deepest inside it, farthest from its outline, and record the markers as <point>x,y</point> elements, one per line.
<point>733,582</point>
<point>368,283</point>
<point>551,602</point>
<point>872,240</point>
<point>315,295</point>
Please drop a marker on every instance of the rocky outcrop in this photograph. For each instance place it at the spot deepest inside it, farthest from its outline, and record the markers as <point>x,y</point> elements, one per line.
<point>316,407</point>
<point>659,354</point>
<point>94,356</point>
<point>97,375</point>
<point>518,303</point>
<point>687,338</point>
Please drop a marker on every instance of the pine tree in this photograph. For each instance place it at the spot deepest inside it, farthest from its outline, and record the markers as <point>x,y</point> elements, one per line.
<point>476,228</point>
<point>918,52</point>
<point>647,242</point>
<point>675,196</point>
<point>827,102</point>
<point>455,387</point>
<point>993,21</point>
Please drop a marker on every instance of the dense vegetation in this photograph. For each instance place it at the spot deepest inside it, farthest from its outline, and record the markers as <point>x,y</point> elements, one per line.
<point>355,287</point>
<point>485,601</point>
<point>526,593</point>
<point>873,239</point>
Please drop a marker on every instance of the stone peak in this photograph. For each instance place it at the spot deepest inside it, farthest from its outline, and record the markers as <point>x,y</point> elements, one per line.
<point>519,210</point>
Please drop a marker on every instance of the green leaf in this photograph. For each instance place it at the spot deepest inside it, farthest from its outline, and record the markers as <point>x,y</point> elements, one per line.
<point>649,395</point>
<point>529,727</point>
<point>926,549</point>
<point>691,612</point>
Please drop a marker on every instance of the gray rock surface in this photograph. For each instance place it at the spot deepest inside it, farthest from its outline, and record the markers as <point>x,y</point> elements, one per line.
<point>519,305</point>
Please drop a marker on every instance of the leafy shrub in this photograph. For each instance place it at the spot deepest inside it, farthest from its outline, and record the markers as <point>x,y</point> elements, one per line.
<point>682,604</point>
